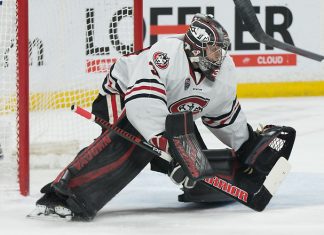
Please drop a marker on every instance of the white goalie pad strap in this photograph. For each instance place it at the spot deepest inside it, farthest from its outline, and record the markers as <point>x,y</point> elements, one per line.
<point>188,183</point>
<point>165,156</point>
<point>177,175</point>
<point>114,107</point>
<point>277,175</point>
<point>58,213</point>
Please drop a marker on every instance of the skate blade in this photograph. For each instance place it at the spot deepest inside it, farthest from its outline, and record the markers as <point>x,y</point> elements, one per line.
<point>278,173</point>
<point>57,213</point>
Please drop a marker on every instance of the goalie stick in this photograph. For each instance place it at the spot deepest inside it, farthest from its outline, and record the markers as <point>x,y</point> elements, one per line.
<point>254,199</point>
<point>248,15</point>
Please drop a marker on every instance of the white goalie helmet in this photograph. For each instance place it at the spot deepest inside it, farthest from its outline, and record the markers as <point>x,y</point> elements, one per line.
<point>206,43</point>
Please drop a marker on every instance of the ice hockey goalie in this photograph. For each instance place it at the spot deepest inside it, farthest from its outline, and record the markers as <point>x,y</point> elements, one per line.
<point>156,94</point>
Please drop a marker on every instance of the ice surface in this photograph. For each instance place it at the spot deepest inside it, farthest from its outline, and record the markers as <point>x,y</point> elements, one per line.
<point>149,205</point>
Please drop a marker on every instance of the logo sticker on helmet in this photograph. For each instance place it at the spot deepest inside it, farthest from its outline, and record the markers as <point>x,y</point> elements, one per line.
<point>161,60</point>
<point>200,34</point>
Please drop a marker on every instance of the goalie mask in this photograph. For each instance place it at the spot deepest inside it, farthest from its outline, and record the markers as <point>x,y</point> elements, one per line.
<point>206,43</point>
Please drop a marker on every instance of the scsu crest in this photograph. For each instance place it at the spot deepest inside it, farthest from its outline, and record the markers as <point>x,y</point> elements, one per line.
<point>161,60</point>
<point>195,104</point>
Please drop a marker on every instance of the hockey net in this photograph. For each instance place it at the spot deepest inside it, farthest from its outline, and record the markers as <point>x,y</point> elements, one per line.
<point>72,45</point>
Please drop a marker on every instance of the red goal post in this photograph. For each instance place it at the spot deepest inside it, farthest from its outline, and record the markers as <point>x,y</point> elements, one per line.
<point>24,93</point>
<point>22,96</point>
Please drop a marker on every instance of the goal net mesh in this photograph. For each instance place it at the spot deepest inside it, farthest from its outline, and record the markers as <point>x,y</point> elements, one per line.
<point>72,45</point>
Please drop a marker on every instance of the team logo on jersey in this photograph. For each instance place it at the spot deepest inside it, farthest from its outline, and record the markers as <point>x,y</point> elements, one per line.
<point>195,104</point>
<point>161,60</point>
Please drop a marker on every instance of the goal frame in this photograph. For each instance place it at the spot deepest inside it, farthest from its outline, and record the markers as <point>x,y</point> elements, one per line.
<point>23,85</point>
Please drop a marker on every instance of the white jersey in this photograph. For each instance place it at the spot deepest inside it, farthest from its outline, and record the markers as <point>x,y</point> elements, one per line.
<point>160,80</point>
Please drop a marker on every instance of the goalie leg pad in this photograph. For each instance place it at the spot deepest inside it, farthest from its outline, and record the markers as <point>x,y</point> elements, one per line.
<point>252,185</point>
<point>203,193</point>
<point>272,143</point>
<point>91,180</point>
<point>223,163</point>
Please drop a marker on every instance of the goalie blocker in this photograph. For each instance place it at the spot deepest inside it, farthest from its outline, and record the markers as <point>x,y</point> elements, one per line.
<point>251,177</point>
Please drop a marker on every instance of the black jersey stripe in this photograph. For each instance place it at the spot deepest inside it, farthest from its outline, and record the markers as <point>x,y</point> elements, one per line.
<point>104,83</point>
<point>143,95</point>
<point>227,124</point>
<point>147,81</point>
<point>218,118</point>
<point>110,73</point>
<point>115,80</point>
